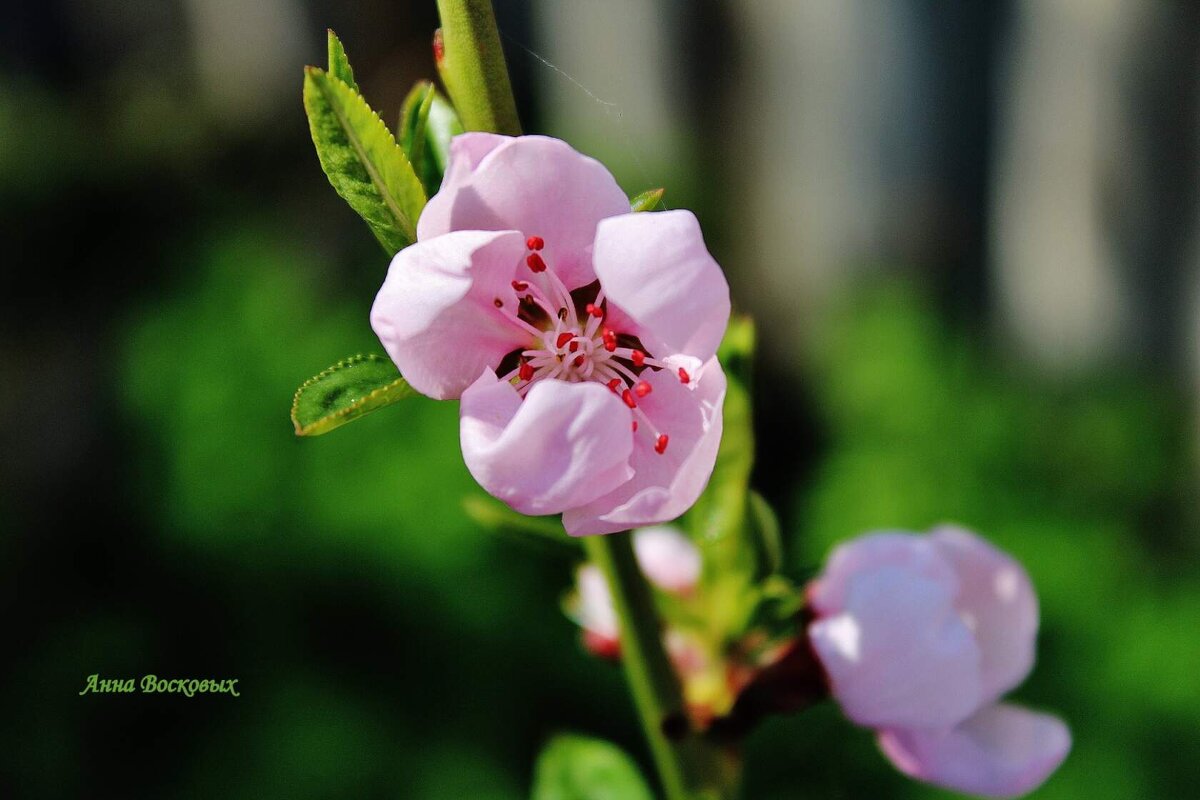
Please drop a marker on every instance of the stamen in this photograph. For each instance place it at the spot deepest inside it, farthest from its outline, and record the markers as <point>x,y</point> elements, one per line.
<point>535,243</point>
<point>535,262</point>
<point>684,377</point>
<point>578,359</point>
<point>595,310</point>
<point>610,340</point>
<point>638,358</point>
<point>614,384</point>
<point>660,446</point>
<point>563,338</point>
<point>574,346</point>
<point>525,370</point>
<point>627,396</point>
<point>520,286</point>
<point>641,389</point>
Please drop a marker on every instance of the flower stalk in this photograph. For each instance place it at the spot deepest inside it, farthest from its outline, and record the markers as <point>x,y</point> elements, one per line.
<point>471,63</point>
<point>688,767</point>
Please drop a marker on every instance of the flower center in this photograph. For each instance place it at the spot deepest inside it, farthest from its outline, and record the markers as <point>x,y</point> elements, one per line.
<point>572,342</point>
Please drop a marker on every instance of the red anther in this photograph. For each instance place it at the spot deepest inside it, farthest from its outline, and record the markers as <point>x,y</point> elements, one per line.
<point>563,338</point>
<point>635,426</point>
<point>638,357</point>
<point>595,310</point>
<point>579,360</point>
<point>574,346</point>
<point>535,263</point>
<point>520,286</point>
<point>683,376</point>
<point>613,384</point>
<point>535,243</point>
<point>610,345</point>
<point>627,396</point>
<point>641,389</point>
<point>660,446</point>
<point>525,371</point>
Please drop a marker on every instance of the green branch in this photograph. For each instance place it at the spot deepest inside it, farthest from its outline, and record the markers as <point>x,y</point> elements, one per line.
<point>471,63</point>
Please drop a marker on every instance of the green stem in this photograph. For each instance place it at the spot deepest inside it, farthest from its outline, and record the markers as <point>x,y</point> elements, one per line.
<point>471,63</point>
<point>687,767</point>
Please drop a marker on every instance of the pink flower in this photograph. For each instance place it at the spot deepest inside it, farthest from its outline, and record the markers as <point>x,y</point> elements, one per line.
<point>669,561</point>
<point>920,637</point>
<point>580,337</point>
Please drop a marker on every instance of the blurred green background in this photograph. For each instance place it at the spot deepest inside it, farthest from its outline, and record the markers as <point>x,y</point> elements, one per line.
<point>177,264</point>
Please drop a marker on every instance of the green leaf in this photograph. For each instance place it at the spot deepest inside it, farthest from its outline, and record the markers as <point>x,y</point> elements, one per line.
<point>442,126</point>
<point>720,522</point>
<point>362,160</point>
<point>414,119</point>
<point>414,115</point>
<point>495,517</point>
<point>764,529</point>
<point>576,767</point>
<point>346,391</point>
<point>339,64</point>
<point>649,200</point>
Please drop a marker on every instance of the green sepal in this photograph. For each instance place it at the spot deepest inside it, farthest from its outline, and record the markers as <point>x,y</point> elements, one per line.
<point>649,200</point>
<point>346,391</point>
<point>362,159</point>
<point>339,64</point>
<point>573,767</point>
<point>495,517</point>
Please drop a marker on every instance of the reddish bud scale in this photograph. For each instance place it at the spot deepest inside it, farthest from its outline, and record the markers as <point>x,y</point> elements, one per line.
<point>638,358</point>
<point>535,262</point>
<point>683,376</point>
<point>627,396</point>
<point>535,243</point>
<point>439,47</point>
<point>641,389</point>
<point>660,446</point>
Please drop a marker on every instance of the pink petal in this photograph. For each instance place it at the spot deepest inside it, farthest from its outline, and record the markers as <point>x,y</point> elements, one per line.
<point>871,552</point>
<point>997,601</point>
<point>896,653</point>
<point>668,558</point>
<point>533,184</point>
<point>1002,751</point>
<point>656,270</point>
<point>562,446</point>
<point>664,485</point>
<point>436,314</point>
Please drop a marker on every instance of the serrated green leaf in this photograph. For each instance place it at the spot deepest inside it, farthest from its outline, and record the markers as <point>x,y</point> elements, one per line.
<point>362,159</point>
<point>346,391</point>
<point>339,64</point>
<point>576,767</point>
<point>649,200</point>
